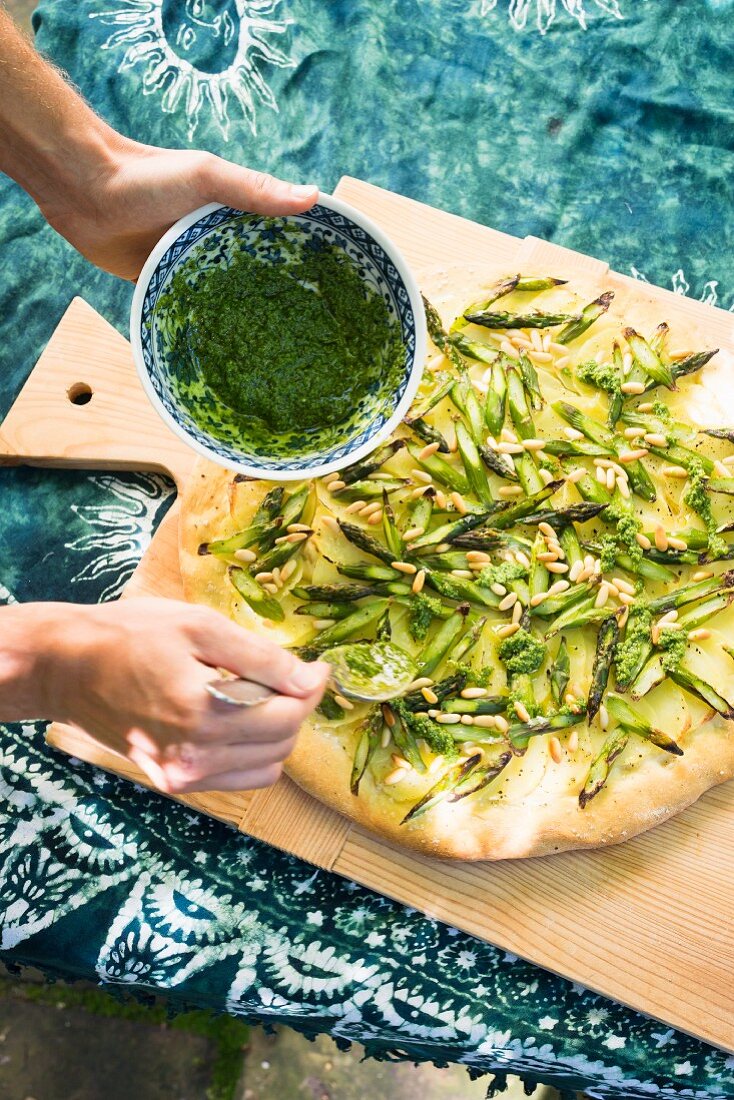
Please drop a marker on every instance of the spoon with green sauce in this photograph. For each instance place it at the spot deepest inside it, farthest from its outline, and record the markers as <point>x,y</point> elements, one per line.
<point>368,672</point>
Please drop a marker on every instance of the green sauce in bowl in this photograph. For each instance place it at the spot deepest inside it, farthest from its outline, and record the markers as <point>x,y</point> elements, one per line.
<point>286,357</point>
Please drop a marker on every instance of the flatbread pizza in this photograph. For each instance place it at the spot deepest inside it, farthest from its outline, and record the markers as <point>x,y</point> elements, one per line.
<point>549,536</point>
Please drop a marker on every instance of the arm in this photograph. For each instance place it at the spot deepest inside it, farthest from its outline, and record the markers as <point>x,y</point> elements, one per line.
<point>139,689</point>
<point>133,673</point>
<point>111,197</point>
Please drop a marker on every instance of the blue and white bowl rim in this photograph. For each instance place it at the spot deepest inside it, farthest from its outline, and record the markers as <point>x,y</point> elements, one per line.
<point>296,471</point>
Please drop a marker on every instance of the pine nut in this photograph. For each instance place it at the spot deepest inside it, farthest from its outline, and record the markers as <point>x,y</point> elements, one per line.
<point>389,715</point>
<point>498,589</point>
<point>400,761</point>
<point>335,486</point>
<point>556,567</point>
<point>541,357</point>
<point>347,704</point>
<point>547,530</point>
<point>623,486</point>
<point>371,508</point>
<point>429,695</point>
<point>563,362</point>
<point>633,433</point>
<point>522,559</point>
<point>699,635</point>
<point>547,555</point>
<point>414,533</point>
<point>459,503</point>
<point>420,580</point>
<point>623,585</point>
<point>375,519</point>
<point>533,444</point>
<point>422,475</point>
<point>603,717</point>
<point>661,539</point>
<point>702,575</point>
<point>435,764</point>
<point>669,616</point>
<point>478,556</point>
<point>632,387</point>
<point>601,476</point>
<point>675,471</point>
<point>245,555</point>
<point>474,693</point>
<point>643,541</point>
<point>394,777</point>
<point>440,499</point>
<point>509,601</point>
<point>467,719</point>
<point>264,578</point>
<point>545,475</point>
<point>633,456</point>
<point>559,586</point>
<point>501,723</point>
<point>625,598</point>
<point>522,711</point>
<point>271,589</point>
<point>449,719</point>
<point>332,523</point>
<point>510,448</point>
<point>677,544</point>
<point>602,595</point>
<point>428,450</point>
<point>575,475</point>
<point>537,599</point>
<point>611,479</point>
<point>507,631</point>
<point>645,407</point>
<point>517,612</point>
<point>418,492</point>
<point>386,737</point>
<point>573,741</point>
<point>509,491</point>
<point>421,682</point>
<point>485,721</point>
<point>356,506</point>
<point>555,749</point>
<point>508,436</point>
<point>463,574</point>
<point>405,567</point>
<point>656,439</point>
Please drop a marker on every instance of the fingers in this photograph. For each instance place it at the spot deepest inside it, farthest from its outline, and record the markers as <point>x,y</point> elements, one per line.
<point>191,767</point>
<point>222,644</point>
<point>245,189</point>
<point>247,773</point>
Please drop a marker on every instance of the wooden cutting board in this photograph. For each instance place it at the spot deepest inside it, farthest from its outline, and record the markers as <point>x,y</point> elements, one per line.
<point>647,922</point>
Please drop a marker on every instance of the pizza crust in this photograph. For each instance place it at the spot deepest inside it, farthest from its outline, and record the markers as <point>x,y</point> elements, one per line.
<point>649,786</point>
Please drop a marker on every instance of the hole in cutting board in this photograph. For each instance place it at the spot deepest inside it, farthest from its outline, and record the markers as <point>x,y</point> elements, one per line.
<point>80,393</point>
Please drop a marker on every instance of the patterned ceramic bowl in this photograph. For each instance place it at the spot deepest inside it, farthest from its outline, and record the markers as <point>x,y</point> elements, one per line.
<point>214,234</point>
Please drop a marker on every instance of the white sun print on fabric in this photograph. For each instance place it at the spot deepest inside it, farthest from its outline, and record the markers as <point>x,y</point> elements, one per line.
<point>205,57</point>
<point>120,530</point>
<point>546,11</point>
<point>708,293</point>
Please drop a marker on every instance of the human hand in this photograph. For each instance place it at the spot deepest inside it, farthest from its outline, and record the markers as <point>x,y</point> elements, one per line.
<point>132,674</point>
<point>138,191</point>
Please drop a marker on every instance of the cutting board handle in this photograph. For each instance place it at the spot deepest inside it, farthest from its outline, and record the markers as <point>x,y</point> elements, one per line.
<point>83,405</point>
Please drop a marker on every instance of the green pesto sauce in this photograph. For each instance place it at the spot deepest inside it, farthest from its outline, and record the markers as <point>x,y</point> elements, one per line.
<point>626,527</point>
<point>603,376</point>
<point>423,610</point>
<point>504,573</point>
<point>673,644</point>
<point>300,346</point>
<point>636,636</point>
<point>436,736</point>
<point>372,668</point>
<point>697,498</point>
<point>521,653</point>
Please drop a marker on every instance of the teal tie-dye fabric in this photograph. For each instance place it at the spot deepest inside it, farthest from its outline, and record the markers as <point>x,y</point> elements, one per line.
<point>604,125</point>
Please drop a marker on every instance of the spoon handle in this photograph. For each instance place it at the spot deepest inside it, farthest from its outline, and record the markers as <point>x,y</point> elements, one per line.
<point>239,693</point>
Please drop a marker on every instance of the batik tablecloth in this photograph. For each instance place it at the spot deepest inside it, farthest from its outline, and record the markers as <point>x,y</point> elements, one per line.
<point>602,125</point>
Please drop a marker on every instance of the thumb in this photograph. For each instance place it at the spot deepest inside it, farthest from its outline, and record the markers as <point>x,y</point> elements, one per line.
<point>257,192</point>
